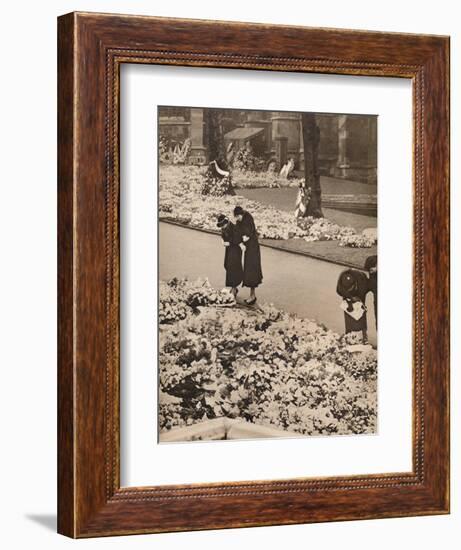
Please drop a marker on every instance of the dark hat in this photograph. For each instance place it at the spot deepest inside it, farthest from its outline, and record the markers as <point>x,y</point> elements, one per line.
<point>371,261</point>
<point>238,211</point>
<point>347,280</point>
<point>222,220</point>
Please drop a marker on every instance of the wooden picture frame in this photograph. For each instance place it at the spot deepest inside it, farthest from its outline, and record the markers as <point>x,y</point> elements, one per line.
<point>92,48</point>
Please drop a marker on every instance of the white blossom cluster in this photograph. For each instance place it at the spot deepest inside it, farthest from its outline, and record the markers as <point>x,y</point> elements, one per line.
<point>180,200</point>
<point>263,366</point>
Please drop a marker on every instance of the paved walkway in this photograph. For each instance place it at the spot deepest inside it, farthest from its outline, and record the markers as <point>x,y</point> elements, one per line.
<point>295,283</point>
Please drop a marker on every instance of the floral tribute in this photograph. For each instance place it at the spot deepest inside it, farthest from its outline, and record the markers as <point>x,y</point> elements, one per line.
<point>358,241</point>
<point>263,366</point>
<point>246,161</point>
<point>181,200</point>
<point>172,151</point>
<point>256,180</point>
<point>179,298</point>
<point>214,185</point>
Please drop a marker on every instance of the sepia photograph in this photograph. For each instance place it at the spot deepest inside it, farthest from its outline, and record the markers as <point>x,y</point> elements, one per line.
<point>267,274</point>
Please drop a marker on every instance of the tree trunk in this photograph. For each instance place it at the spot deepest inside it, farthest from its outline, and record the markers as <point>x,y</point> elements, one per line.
<point>215,138</point>
<point>214,182</point>
<point>311,140</point>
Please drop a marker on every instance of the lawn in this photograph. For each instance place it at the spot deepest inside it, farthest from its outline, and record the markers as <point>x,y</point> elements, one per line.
<point>333,186</point>
<point>284,199</point>
<point>325,250</point>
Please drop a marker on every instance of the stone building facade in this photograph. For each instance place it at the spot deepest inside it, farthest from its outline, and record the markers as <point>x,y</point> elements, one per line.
<point>347,150</point>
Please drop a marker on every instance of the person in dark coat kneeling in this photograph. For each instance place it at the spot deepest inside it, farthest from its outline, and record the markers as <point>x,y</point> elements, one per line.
<point>252,272</point>
<point>233,253</point>
<point>371,265</point>
<point>353,287</point>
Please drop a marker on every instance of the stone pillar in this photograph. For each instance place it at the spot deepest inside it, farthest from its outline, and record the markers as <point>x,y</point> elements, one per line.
<point>301,146</point>
<point>287,125</point>
<point>372,150</point>
<point>261,119</point>
<point>281,150</point>
<point>328,146</point>
<point>342,163</point>
<point>357,148</point>
<point>198,150</point>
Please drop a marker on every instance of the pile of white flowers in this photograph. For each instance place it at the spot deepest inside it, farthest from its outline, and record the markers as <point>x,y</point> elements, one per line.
<point>178,298</point>
<point>180,200</point>
<point>264,366</point>
<point>258,180</point>
<point>357,241</point>
<point>321,229</point>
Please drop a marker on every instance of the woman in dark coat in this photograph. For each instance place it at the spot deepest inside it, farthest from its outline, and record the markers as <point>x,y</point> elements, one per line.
<point>353,287</point>
<point>252,272</point>
<point>371,265</point>
<point>233,254</point>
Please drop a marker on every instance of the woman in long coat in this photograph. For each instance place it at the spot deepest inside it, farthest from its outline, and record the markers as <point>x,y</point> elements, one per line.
<point>353,287</point>
<point>252,271</point>
<point>233,253</point>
